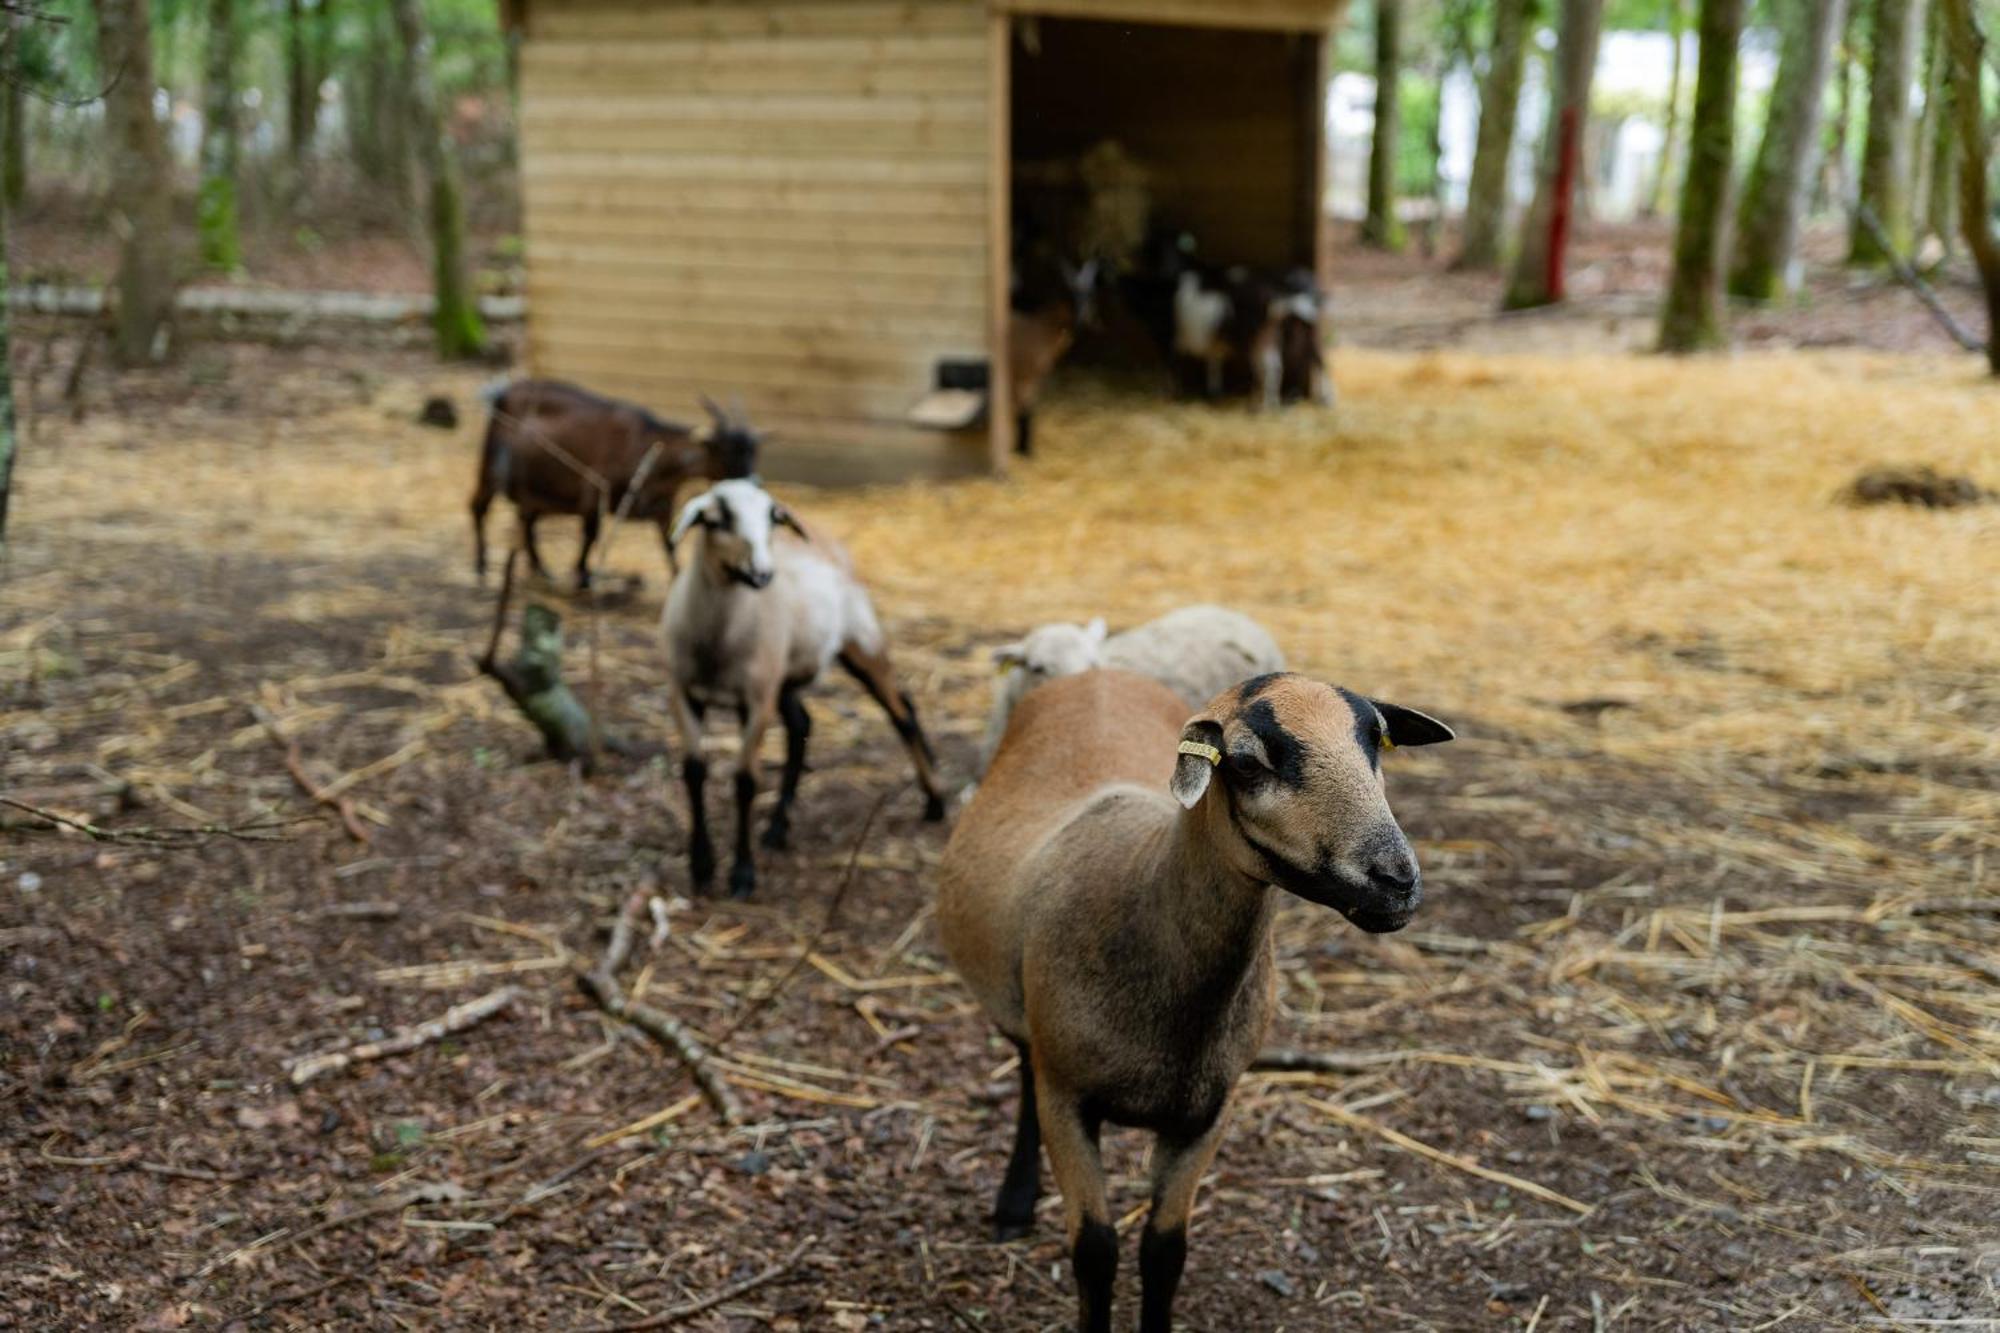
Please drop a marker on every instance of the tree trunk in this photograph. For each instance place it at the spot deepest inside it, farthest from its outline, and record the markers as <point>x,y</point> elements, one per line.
<point>141,181</point>
<point>459,332</point>
<point>216,202</point>
<point>301,90</point>
<point>1538,269</point>
<point>1885,154</point>
<point>1975,217</point>
<point>1692,318</point>
<point>1774,199</point>
<point>1669,141</point>
<point>10,71</point>
<point>14,110</point>
<point>1383,227</point>
<point>1941,202</point>
<point>1499,108</point>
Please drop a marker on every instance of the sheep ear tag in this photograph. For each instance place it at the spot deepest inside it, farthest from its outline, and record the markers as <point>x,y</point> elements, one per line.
<point>1192,770</point>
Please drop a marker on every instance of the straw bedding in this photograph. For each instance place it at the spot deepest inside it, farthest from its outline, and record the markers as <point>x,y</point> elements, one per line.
<point>1713,932</point>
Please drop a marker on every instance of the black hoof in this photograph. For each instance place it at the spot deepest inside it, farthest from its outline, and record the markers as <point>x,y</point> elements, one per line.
<point>1005,1230</point>
<point>742,880</point>
<point>933,809</point>
<point>778,836</point>
<point>701,867</point>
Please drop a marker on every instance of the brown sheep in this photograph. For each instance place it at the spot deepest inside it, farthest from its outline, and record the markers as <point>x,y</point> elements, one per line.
<point>1107,897</point>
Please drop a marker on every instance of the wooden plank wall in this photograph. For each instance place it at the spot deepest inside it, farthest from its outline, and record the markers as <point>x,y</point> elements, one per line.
<point>782,199</point>
<point>1214,115</point>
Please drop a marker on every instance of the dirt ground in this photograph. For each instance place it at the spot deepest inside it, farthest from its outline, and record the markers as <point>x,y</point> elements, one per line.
<point>1706,972</point>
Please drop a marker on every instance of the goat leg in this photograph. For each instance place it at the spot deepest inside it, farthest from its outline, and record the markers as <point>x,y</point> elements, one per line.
<point>798,726</point>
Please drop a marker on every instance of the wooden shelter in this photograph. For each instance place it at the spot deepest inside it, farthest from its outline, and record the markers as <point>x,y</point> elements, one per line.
<point>807,203</point>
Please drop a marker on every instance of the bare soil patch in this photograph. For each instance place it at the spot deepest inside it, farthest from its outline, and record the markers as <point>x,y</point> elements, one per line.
<point>1710,946</point>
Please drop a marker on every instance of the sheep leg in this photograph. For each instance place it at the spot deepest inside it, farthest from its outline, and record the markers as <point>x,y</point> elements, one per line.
<point>1079,1171</point>
<point>592,525</point>
<point>482,500</point>
<point>694,772</point>
<point>756,719</point>
<point>1177,1170</point>
<point>528,521</point>
<point>876,676</point>
<point>1214,374</point>
<point>1014,1208</point>
<point>1024,431</point>
<point>1270,368</point>
<point>798,726</point>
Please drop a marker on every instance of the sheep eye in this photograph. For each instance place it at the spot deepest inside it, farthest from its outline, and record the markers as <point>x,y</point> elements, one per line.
<point>1246,766</point>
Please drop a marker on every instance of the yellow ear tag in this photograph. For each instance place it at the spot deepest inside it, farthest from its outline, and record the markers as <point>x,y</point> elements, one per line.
<point>1387,744</point>
<point>1208,752</point>
<point>1003,668</point>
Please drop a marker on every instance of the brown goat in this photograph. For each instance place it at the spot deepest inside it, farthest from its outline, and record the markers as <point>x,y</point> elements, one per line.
<point>1037,340</point>
<point>553,448</point>
<point>1107,897</point>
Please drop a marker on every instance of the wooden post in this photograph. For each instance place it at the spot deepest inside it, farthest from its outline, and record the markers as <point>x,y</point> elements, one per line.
<point>1313,161</point>
<point>999,234</point>
<point>1566,154</point>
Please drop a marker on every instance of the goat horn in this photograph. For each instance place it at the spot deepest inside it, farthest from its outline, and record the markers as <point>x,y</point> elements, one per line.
<point>708,406</point>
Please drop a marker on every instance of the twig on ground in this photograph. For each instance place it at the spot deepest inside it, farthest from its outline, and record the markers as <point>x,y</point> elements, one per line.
<point>166,836</point>
<point>668,1032</point>
<point>361,911</point>
<point>456,1019</point>
<point>690,1309</point>
<point>1324,1062</point>
<point>295,765</point>
<point>1465,1164</point>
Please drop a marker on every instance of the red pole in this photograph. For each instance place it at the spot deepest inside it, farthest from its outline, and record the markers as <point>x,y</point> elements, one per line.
<point>1565,187</point>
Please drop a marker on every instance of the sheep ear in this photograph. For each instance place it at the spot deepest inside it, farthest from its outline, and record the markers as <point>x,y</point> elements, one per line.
<point>1200,752</point>
<point>784,518</point>
<point>695,511</point>
<point>1094,631</point>
<point>1406,726</point>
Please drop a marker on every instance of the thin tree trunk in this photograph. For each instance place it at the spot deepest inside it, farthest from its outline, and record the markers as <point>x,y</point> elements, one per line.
<point>1538,268</point>
<point>1692,318</point>
<point>141,181</point>
<point>1499,109</point>
<point>1670,140</point>
<point>14,109</point>
<point>459,332</point>
<point>10,70</point>
<point>1383,227</point>
<point>301,92</point>
<point>216,201</point>
<point>1885,154</point>
<point>1941,203</point>
<point>1931,59</point>
<point>1833,166</point>
<point>1975,214</point>
<point>1774,199</point>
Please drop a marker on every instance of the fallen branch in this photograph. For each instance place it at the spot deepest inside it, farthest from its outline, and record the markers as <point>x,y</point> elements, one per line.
<point>669,1033</point>
<point>690,1309</point>
<point>1325,1062</point>
<point>167,836</point>
<point>1465,1164</point>
<point>1909,277</point>
<point>456,1019</point>
<point>295,764</point>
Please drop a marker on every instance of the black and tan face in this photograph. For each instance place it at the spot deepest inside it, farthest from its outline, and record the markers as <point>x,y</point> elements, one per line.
<point>1298,766</point>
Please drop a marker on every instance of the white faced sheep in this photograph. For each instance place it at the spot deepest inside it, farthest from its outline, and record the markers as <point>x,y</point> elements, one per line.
<point>1108,899</point>
<point>1195,651</point>
<point>751,621</point>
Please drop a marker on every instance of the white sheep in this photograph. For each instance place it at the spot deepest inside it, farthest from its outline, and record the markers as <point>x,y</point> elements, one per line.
<point>766,605</point>
<point>1195,651</point>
